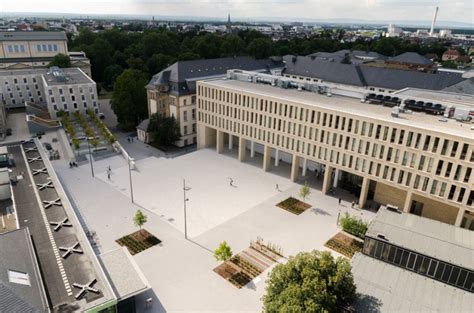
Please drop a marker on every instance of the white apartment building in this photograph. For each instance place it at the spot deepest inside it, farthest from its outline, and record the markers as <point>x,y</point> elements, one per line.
<point>54,89</point>
<point>411,160</point>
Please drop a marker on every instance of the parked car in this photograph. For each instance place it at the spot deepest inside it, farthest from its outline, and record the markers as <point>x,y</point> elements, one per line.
<point>9,131</point>
<point>47,146</point>
<point>101,116</point>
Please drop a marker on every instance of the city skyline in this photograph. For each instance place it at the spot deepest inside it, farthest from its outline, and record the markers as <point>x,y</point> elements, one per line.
<point>371,10</point>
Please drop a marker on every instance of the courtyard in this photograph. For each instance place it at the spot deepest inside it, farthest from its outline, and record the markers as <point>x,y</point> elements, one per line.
<point>217,210</point>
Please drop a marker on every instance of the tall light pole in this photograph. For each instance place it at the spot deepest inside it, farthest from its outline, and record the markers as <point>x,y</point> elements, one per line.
<point>90,155</point>
<point>130,161</point>
<point>184,204</point>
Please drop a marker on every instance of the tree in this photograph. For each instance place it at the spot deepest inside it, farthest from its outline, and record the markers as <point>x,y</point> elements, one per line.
<point>111,73</point>
<point>158,62</point>
<point>223,252</point>
<point>61,60</point>
<point>305,191</point>
<point>310,282</point>
<point>139,219</point>
<point>232,46</point>
<point>260,48</point>
<point>164,130</point>
<point>129,98</point>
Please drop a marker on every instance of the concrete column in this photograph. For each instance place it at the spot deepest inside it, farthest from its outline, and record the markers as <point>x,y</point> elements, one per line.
<point>277,157</point>
<point>459,217</point>
<point>363,192</point>
<point>242,149</point>
<point>327,179</point>
<point>408,201</point>
<point>220,141</point>
<point>304,167</point>
<point>295,168</point>
<point>337,172</point>
<point>267,158</point>
<point>252,149</point>
<point>230,142</point>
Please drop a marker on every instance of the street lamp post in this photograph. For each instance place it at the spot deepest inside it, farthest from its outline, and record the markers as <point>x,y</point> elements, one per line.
<point>184,206</point>
<point>130,161</point>
<point>90,155</point>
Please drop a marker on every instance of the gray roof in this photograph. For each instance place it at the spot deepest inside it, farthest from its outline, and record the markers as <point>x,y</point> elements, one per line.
<point>357,56</point>
<point>32,35</point>
<point>411,57</point>
<point>329,71</point>
<point>126,278</point>
<point>382,287</point>
<point>365,75</point>
<point>181,76</point>
<point>144,124</point>
<point>445,242</point>
<point>72,76</point>
<point>465,86</point>
<point>17,254</point>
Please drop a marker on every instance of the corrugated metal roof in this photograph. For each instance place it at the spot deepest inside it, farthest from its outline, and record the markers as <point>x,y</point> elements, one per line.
<point>32,35</point>
<point>411,57</point>
<point>429,237</point>
<point>382,287</point>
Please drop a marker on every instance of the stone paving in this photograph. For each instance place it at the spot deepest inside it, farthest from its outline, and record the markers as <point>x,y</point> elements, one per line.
<point>179,270</point>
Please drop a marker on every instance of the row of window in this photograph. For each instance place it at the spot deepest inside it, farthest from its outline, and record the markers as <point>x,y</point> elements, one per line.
<point>260,109</point>
<point>185,115</point>
<point>71,91</point>
<point>47,48</point>
<point>365,162</point>
<point>75,106</point>
<point>419,263</point>
<point>185,129</point>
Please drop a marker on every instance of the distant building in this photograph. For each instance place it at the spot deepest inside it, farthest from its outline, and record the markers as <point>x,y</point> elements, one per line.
<point>451,55</point>
<point>445,33</point>
<point>29,50</point>
<point>413,264</point>
<point>393,31</point>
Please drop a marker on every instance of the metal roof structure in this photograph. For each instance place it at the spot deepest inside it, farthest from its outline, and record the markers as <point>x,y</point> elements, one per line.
<point>411,58</point>
<point>181,76</point>
<point>32,36</point>
<point>382,287</point>
<point>365,75</point>
<point>426,236</point>
<point>17,254</point>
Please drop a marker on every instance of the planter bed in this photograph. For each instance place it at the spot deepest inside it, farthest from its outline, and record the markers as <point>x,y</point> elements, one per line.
<point>138,241</point>
<point>293,205</point>
<point>345,244</point>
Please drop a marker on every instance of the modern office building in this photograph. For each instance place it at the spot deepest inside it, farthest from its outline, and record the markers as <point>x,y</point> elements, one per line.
<point>419,162</point>
<point>56,89</point>
<point>413,264</point>
<point>172,92</point>
<point>36,49</point>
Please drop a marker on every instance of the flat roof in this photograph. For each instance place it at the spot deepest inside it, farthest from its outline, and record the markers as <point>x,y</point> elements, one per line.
<point>429,237</point>
<point>72,76</point>
<point>59,273</point>
<point>126,278</point>
<point>17,255</point>
<point>439,96</point>
<point>348,105</point>
<point>382,287</point>
<point>32,35</point>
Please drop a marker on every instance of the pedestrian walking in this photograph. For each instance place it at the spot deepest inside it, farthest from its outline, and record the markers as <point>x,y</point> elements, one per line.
<point>231,181</point>
<point>277,188</point>
<point>108,175</point>
<point>340,201</point>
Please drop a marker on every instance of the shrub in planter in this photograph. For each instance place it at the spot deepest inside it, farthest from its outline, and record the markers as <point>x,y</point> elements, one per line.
<point>353,225</point>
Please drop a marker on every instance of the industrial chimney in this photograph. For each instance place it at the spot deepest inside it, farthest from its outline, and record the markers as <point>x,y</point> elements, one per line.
<point>433,22</point>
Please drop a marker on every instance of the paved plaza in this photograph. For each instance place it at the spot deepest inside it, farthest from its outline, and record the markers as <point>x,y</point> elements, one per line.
<point>181,269</point>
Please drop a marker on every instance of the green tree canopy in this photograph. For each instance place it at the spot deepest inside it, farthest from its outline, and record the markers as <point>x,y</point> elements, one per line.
<point>305,191</point>
<point>232,46</point>
<point>158,62</point>
<point>139,219</point>
<point>310,282</point>
<point>111,73</point>
<point>61,60</point>
<point>223,252</point>
<point>129,98</point>
<point>164,130</point>
<point>260,48</point>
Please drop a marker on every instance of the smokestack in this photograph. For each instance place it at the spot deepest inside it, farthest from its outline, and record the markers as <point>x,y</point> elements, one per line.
<point>433,22</point>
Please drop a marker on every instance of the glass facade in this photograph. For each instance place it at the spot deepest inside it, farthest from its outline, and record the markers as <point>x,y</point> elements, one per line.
<point>424,265</point>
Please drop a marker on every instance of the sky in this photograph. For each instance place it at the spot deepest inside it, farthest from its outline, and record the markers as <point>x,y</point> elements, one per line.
<point>373,10</point>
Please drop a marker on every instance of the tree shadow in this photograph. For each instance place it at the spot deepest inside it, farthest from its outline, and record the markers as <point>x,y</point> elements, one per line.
<point>368,304</point>
<point>319,211</point>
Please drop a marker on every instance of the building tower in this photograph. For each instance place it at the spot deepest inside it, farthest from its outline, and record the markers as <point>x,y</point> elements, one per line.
<point>433,22</point>
<point>228,26</point>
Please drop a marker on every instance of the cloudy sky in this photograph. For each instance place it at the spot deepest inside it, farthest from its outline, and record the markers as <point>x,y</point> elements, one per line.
<point>375,10</point>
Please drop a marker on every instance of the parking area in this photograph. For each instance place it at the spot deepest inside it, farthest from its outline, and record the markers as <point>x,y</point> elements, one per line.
<point>216,210</point>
